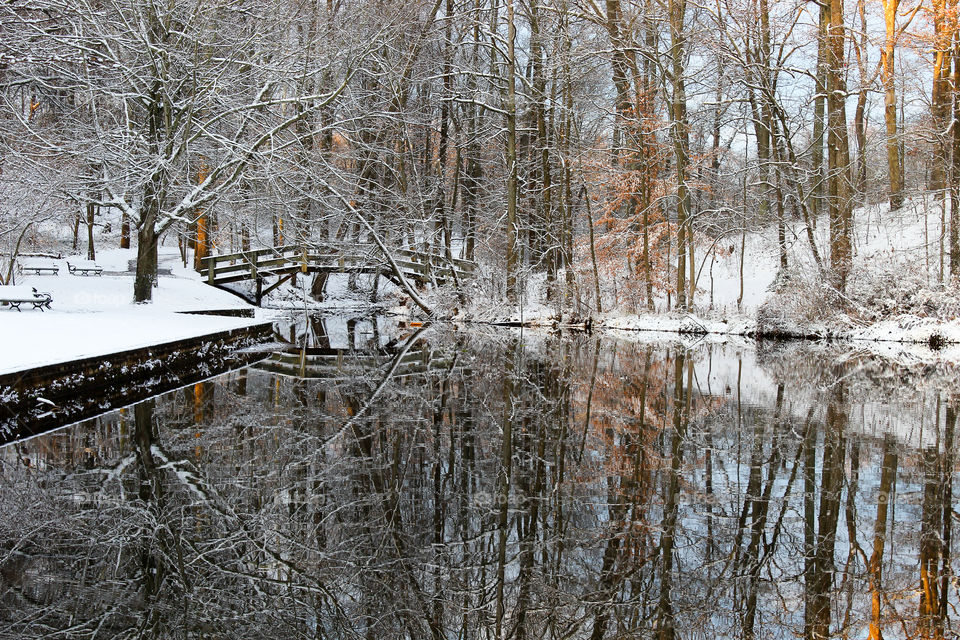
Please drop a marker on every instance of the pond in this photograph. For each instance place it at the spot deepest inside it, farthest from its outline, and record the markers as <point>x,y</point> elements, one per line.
<point>388,481</point>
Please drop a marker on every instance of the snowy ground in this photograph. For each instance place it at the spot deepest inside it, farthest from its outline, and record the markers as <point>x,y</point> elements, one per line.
<point>895,294</point>
<point>94,315</point>
<point>895,298</point>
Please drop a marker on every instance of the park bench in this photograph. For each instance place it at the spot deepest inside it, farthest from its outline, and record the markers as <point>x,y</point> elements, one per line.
<point>38,268</point>
<point>85,269</point>
<point>16,295</point>
<point>161,271</point>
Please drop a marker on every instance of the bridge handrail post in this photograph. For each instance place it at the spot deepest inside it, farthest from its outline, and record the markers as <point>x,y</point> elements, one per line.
<point>211,262</point>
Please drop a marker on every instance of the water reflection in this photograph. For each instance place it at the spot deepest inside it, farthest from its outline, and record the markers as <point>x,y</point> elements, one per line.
<point>497,486</point>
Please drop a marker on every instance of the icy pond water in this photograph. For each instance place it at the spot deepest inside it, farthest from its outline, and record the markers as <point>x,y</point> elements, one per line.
<point>396,482</point>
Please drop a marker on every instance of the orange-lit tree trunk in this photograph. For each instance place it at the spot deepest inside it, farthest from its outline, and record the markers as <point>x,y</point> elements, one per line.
<point>887,62</point>
<point>124,231</point>
<point>955,138</point>
<point>940,103</point>
<point>201,248</point>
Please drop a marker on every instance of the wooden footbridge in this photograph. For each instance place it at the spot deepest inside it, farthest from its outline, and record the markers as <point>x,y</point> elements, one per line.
<point>282,263</point>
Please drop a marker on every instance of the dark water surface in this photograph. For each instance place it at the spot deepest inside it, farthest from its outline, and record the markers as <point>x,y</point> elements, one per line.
<point>461,484</point>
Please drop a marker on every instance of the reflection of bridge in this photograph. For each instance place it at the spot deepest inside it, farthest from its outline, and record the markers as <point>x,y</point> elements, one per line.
<point>285,262</point>
<point>336,348</point>
<point>341,364</point>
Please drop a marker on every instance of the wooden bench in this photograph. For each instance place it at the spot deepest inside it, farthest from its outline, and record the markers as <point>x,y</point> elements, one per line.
<point>16,295</point>
<point>85,269</point>
<point>161,271</point>
<point>39,269</point>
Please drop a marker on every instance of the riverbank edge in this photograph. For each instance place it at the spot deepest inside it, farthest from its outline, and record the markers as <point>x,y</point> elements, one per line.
<point>904,329</point>
<point>103,363</point>
<point>35,400</point>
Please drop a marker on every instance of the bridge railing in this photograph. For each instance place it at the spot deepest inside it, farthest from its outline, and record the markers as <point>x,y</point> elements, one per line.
<point>288,258</point>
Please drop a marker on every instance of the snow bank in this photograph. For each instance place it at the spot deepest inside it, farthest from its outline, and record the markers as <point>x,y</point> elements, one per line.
<point>95,315</point>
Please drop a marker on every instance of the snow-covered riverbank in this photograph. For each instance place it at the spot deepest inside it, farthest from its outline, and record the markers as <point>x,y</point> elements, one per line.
<point>95,315</point>
<point>897,292</point>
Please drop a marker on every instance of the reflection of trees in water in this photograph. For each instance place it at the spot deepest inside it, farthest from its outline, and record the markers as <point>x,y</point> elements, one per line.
<point>567,488</point>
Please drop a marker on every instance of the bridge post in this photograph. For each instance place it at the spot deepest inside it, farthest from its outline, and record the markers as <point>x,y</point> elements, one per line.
<point>252,259</point>
<point>211,261</point>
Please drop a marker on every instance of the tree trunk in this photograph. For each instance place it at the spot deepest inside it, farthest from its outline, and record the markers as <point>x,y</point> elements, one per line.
<point>940,107</point>
<point>679,128</point>
<point>955,165</point>
<point>91,218</point>
<point>124,231</point>
<point>441,204</point>
<point>511,151</point>
<point>820,581</point>
<point>887,61</point>
<point>860,115</point>
<point>543,149</point>
<point>201,246</point>
<point>503,485</point>
<point>839,185</point>
<point>888,479</point>
<point>146,262</point>
<point>818,177</point>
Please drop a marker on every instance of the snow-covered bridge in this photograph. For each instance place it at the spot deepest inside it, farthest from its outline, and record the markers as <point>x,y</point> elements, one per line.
<point>284,262</point>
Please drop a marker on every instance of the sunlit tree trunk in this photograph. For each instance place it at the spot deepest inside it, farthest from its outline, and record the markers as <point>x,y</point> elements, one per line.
<point>888,77</point>
<point>124,231</point>
<point>202,245</point>
<point>955,165</point>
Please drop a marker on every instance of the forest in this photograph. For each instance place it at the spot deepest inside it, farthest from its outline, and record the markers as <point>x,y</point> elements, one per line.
<point>595,154</point>
<point>352,475</point>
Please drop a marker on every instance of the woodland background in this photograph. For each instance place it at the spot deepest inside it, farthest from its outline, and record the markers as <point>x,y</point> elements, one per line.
<point>575,143</point>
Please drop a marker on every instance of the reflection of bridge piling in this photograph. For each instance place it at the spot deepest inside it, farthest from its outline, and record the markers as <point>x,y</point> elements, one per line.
<point>284,262</point>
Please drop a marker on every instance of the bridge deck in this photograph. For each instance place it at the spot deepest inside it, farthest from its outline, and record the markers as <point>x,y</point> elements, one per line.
<point>421,267</point>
